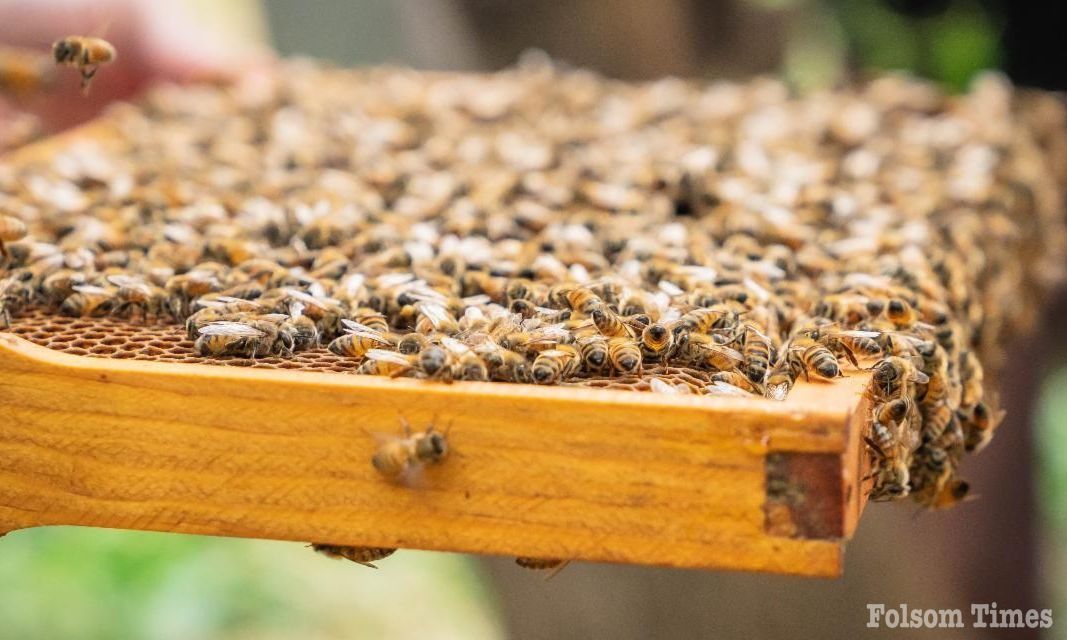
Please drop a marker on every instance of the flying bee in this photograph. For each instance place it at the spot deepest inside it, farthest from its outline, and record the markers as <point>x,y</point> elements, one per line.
<point>11,230</point>
<point>893,377</point>
<point>360,555</point>
<point>610,324</point>
<point>399,459</point>
<point>552,565</point>
<point>88,300</point>
<point>594,352</point>
<point>85,53</point>
<point>24,73</point>
<point>556,364</point>
<point>657,342</point>
<point>738,380</point>
<point>357,340</point>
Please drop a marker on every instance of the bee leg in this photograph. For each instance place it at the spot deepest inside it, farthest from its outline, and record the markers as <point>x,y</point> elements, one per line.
<point>851,357</point>
<point>407,426</point>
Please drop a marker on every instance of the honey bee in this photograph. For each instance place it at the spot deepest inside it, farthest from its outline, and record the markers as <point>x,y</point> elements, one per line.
<point>360,555</point>
<point>433,363</point>
<point>410,343</point>
<point>901,313</point>
<point>893,376</point>
<point>978,430</point>
<point>370,318</point>
<point>435,318</point>
<point>704,319</point>
<point>555,364</point>
<point>757,351</point>
<point>738,380</point>
<point>594,352</point>
<point>249,339</point>
<point>609,324</point>
<point>581,299</point>
<point>815,357</point>
<point>624,355</point>
<point>506,365</point>
<point>399,459</point>
<point>304,330</point>
<point>704,351</point>
<point>88,300</point>
<point>469,365</point>
<point>890,469</point>
<point>85,53</point>
<point>24,73</point>
<point>657,342</point>
<point>12,297</point>
<point>11,230</point>
<point>357,340</point>
<point>137,296</point>
<point>59,285</point>
<point>552,565</point>
<point>894,413</point>
<point>184,288</point>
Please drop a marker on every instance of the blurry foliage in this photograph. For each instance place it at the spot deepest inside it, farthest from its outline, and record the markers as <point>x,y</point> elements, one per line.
<point>70,582</point>
<point>949,45</point>
<point>1052,488</point>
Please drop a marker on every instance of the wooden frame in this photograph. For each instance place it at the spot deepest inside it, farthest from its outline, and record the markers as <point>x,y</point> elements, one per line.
<point>560,472</point>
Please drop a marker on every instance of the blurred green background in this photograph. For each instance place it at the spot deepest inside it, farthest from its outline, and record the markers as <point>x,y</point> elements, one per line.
<point>80,583</point>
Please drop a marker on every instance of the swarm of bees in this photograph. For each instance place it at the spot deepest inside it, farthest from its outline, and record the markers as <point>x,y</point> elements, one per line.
<point>547,226</point>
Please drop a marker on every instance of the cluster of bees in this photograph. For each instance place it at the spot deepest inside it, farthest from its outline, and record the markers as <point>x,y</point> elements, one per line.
<point>545,225</point>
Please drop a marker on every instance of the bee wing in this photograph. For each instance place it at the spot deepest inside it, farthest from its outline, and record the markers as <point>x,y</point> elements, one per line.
<point>475,301</point>
<point>296,309</point>
<point>455,346</point>
<point>733,354</point>
<point>670,288</point>
<point>382,355</point>
<point>757,290</point>
<point>856,333</point>
<point>659,386</point>
<point>778,391</point>
<point>435,313</point>
<point>352,284</point>
<point>553,353</point>
<point>276,318</point>
<point>120,280</point>
<point>919,377</point>
<point>89,288</point>
<point>236,329</point>
<point>393,279</point>
<point>720,388</point>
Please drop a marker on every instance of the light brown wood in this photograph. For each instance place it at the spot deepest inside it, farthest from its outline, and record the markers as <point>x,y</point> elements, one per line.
<point>597,475</point>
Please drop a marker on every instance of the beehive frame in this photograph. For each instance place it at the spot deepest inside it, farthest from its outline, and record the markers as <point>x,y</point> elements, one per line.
<point>561,472</point>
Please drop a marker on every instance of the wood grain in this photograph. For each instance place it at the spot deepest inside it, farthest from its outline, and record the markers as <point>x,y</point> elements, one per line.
<point>596,475</point>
